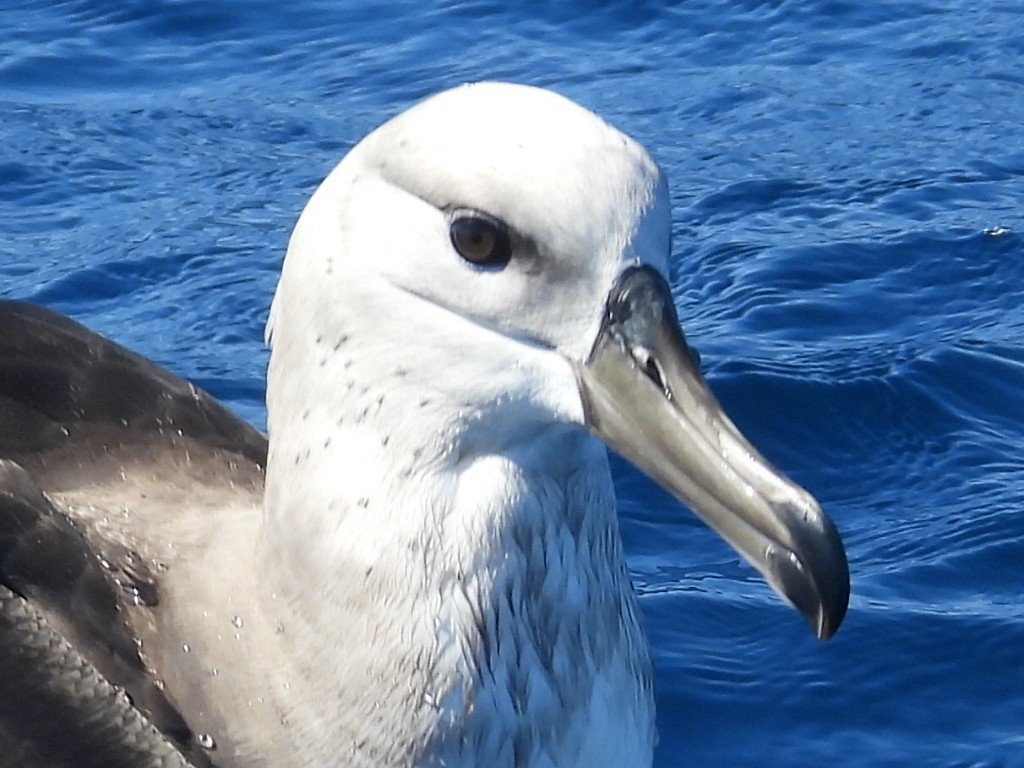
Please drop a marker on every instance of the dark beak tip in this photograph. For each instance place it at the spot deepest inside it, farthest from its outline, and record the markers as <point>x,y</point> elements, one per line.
<point>819,585</point>
<point>827,624</point>
<point>816,584</point>
<point>824,615</point>
<point>831,610</point>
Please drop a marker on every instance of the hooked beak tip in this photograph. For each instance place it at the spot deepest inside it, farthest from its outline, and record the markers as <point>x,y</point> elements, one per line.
<point>644,396</point>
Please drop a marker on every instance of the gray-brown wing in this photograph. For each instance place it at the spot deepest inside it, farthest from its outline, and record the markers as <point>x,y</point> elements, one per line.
<point>80,415</point>
<point>57,710</point>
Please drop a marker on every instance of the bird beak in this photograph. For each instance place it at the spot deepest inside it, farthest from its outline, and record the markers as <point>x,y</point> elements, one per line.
<point>645,397</point>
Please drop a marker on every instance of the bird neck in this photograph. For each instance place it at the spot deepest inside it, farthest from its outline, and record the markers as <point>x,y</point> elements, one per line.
<point>383,427</point>
<point>487,590</point>
<point>432,498</point>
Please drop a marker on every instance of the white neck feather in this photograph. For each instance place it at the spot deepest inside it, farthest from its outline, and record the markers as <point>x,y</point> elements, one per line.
<point>479,563</point>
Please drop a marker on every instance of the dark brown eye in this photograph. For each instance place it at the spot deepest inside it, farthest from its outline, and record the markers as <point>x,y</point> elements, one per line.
<point>481,239</point>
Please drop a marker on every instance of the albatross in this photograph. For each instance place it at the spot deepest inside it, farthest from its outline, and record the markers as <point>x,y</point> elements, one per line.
<point>420,564</point>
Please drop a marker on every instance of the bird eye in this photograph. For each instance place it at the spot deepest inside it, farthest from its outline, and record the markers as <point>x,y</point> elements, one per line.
<point>481,239</point>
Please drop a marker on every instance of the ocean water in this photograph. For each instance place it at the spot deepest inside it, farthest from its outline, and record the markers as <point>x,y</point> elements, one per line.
<point>848,183</point>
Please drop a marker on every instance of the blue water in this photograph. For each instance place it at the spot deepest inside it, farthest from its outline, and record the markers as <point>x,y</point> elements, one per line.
<point>848,181</point>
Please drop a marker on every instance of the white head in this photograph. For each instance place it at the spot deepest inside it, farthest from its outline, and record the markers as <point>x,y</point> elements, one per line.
<point>470,261</point>
<point>372,265</point>
<point>512,152</point>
